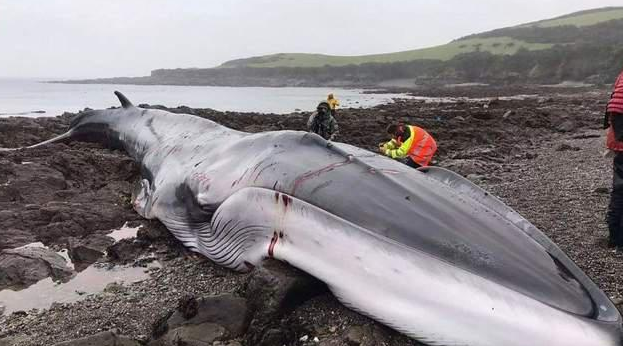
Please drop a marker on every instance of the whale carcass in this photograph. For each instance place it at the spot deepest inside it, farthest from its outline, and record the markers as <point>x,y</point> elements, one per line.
<point>423,251</point>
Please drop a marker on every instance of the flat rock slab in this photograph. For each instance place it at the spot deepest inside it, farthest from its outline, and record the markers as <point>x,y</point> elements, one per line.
<point>14,237</point>
<point>25,266</point>
<point>193,335</point>
<point>108,338</point>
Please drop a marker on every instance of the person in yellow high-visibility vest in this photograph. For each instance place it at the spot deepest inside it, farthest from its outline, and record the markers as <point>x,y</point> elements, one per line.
<point>333,103</point>
<point>410,144</point>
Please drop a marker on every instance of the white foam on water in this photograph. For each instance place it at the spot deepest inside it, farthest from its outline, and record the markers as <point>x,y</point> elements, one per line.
<point>427,99</point>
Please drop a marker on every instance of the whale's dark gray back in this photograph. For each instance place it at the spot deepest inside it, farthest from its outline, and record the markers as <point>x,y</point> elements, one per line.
<point>415,210</point>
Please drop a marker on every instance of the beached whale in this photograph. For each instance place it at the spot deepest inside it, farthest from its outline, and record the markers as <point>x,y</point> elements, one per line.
<point>423,251</point>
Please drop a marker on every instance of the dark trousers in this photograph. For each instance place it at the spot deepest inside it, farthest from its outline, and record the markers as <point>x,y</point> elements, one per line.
<point>409,162</point>
<point>614,217</point>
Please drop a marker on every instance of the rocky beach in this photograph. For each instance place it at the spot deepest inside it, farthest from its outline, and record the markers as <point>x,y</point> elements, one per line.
<point>538,149</point>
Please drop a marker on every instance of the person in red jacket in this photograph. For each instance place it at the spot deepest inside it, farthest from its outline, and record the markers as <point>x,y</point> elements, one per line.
<point>614,141</point>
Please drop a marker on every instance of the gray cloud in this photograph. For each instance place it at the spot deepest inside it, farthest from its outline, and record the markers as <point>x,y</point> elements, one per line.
<point>98,38</point>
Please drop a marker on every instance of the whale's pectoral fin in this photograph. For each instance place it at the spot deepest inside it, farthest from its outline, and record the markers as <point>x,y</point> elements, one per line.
<point>141,198</point>
<point>125,103</point>
<point>239,237</point>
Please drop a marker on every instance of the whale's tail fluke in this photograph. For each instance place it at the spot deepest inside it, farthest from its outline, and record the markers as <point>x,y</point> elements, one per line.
<point>125,103</point>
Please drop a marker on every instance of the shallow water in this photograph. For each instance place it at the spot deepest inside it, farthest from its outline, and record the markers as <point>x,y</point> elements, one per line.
<point>93,279</point>
<point>31,98</point>
<point>125,232</point>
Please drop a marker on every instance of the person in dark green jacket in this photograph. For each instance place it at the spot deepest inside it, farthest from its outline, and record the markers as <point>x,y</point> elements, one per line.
<point>322,122</point>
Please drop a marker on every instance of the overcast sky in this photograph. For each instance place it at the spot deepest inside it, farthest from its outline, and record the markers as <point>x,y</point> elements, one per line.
<point>106,38</point>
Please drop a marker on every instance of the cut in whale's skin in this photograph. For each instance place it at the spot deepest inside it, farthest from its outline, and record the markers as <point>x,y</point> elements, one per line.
<point>425,252</point>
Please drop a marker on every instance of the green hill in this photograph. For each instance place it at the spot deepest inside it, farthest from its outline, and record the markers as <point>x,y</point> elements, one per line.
<point>584,46</point>
<point>497,42</point>
<point>494,45</point>
<point>583,18</point>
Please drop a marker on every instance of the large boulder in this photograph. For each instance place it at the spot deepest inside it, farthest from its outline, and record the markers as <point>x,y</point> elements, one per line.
<point>125,251</point>
<point>83,252</point>
<point>226,310</point>
<point>274,289</point>
<point>200,322</point>
<point>152,231</point>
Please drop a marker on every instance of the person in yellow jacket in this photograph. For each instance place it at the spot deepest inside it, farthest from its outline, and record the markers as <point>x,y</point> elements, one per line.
<point>333,103</point>
<point>410,144</point>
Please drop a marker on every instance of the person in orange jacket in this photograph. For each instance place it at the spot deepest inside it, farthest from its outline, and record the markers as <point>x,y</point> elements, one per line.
<point>613,121</point>
<point>410,144</point>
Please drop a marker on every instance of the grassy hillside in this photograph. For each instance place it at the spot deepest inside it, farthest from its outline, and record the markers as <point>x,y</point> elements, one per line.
<point>584,18</point>
<point>494,45</point>
<point>506,41</point>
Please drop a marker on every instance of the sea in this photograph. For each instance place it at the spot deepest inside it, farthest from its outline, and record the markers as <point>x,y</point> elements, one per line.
<point>35,98</point>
